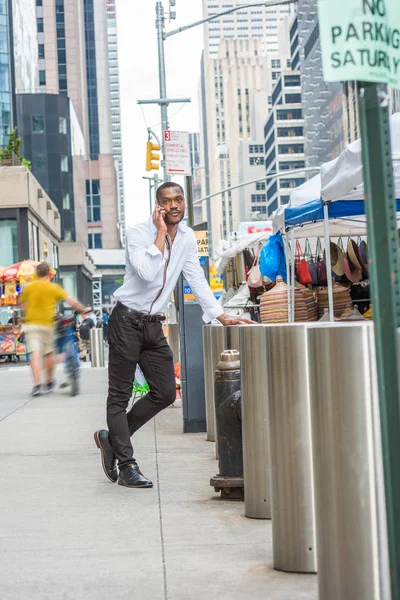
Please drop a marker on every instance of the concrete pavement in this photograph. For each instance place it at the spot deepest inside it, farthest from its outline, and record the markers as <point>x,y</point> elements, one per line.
<point>67,533</point>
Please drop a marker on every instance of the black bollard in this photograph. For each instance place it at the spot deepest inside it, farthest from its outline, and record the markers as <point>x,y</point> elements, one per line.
<point>228,406</point>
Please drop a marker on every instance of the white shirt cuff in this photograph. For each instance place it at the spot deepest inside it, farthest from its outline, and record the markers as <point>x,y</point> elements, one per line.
<point>212,314</point>
<point>153,251</point>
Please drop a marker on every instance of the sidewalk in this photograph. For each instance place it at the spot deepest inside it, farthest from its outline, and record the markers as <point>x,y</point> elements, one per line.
<point>67,533</point>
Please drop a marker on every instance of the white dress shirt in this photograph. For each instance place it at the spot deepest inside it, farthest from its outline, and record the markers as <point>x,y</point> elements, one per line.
<point>145,267</point>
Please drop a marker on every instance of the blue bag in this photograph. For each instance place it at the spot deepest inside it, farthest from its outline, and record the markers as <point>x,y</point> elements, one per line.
<point>272,258</point>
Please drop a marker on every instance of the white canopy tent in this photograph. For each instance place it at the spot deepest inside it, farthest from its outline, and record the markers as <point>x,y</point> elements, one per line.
<point>319,206</point>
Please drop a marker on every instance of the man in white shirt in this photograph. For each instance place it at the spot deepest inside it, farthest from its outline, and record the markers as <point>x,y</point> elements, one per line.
<point>157,252</point>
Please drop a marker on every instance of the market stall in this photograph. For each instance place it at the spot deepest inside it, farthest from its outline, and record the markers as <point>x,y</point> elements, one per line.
<point>331,205</point>
<point>12,281</point>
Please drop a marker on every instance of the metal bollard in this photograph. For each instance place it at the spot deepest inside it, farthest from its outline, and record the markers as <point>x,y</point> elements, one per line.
<point>229,481</point>
<point>293,522</point>
<point>254,377</point>
<point>347,459</point>
<point>97,347</point>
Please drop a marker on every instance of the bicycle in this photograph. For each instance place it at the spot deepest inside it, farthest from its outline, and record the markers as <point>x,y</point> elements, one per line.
<point>72,366</point>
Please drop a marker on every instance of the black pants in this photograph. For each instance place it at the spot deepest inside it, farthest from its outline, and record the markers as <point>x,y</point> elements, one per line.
<point>133,341</point>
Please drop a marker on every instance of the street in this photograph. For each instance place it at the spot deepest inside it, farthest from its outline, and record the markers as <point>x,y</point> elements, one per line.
<point>68,533</point>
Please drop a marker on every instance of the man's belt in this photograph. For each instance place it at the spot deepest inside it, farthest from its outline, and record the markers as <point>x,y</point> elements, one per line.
<point>140,315</point>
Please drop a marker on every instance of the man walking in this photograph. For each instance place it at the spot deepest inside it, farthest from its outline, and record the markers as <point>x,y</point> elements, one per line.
<point>39,300</point>
<point>157,252</point>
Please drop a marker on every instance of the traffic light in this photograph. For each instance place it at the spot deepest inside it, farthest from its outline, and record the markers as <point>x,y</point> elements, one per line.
<point>152,157</point>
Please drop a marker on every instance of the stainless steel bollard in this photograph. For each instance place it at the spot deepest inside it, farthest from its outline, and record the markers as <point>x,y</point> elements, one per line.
<point>171,332</point>
<point>254,383</point>
<point>97,347</point>
<point>347,462</point>
<point>293,522</point>
<point>214,343</point>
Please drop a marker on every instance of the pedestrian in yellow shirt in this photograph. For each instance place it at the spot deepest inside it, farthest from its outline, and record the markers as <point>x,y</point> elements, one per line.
<point>39,301</point>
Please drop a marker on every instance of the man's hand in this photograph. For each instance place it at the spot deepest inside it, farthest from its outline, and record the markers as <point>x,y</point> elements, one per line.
<point>225,320</point>
<point>158,219</point>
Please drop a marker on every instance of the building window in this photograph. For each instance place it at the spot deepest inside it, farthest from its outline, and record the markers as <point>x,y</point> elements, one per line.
<point>66,202</point>
<point>41,50</point>
<point>293,98</point>
<point>39,161</point>
<point>67,235</point>
<point>258,198</point>
<point>62,125</point>
<point>260,185</point>
<point>272,207</point>
<point>290,131</point>
<point>8,241</point>
<point>289,115</point>
<point>38,124</point>
<point>39,22</point>
<point>292,80</point>
<point>64,163</point>
<point>93,201</point>
<point>39,2</point>
<point>272,190</point>
<point>95,241</point>
<point>42,77</point>
<point>256,161</point>
<point>276,64</point>
<point>291,148</point>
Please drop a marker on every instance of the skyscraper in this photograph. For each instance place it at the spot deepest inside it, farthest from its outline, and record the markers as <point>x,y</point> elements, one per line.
<point>240,62</point>
<point>115,109</point>
<point>248,23</point>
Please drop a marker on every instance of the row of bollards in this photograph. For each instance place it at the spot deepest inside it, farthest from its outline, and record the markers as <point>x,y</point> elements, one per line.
<point>312,458</point>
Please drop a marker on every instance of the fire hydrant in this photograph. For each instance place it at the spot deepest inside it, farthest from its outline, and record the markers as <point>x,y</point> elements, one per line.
<point>228,399</point>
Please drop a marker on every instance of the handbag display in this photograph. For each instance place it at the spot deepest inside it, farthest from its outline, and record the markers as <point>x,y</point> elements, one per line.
<point>312,265</point>
<point>255,279</point>
<point>302,271</point>
<point>322,274</point>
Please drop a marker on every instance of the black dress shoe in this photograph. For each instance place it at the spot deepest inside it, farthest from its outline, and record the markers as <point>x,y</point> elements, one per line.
<point>108,459</point>
<point>132,477</point>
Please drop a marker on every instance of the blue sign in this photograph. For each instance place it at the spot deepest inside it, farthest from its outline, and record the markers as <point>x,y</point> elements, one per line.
<point>187,290</point>
<point>203,261</point>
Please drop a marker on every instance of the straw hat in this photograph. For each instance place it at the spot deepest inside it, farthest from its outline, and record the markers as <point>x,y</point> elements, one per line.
<point>337,259</point>
<point>354,255</point>
<point>352,273</point>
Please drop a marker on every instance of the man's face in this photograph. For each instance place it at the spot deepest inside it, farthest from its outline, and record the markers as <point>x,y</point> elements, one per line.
<point>173,202</point>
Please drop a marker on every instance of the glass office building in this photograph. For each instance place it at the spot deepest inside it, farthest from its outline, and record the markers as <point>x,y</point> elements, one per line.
<point>6,86</point>
<point>322,101</point>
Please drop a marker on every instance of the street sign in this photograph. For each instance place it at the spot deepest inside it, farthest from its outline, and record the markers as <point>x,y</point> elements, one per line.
<point>202,243</point>
<point>249,227</point>
<point>360,40</point>
<point>177,152</point>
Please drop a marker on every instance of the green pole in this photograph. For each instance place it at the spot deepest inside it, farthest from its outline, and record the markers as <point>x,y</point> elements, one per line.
<point>384,269</point>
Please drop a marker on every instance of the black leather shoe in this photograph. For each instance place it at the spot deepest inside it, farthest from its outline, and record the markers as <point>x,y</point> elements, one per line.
<point>108,459</point>
<point>132,477</point>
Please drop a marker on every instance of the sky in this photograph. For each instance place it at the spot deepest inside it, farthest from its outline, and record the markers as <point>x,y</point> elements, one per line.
<point>138,72</point>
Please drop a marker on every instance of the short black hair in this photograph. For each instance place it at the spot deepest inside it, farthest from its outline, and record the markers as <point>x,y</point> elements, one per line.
<point>43,269</point>
<point>165,186</point>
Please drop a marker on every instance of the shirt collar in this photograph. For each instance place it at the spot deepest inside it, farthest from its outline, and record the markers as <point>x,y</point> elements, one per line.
<point>182,226</point>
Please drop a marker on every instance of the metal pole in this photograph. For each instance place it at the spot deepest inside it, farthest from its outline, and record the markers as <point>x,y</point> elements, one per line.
<point>293,312</point>
<point>328,263</point>
<point>162,80</point>
<point>287,276</point>
<point>383,247</point>
<point>189,200</point>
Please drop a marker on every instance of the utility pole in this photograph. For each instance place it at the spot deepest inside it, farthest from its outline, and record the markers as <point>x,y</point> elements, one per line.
<point>162,80</point>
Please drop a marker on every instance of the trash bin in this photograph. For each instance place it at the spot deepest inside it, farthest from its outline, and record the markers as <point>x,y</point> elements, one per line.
<point>293,522</point>
<point>254,385</point>
<point>347,460</point>
<point>97,347</point>
<point>214,343</point>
